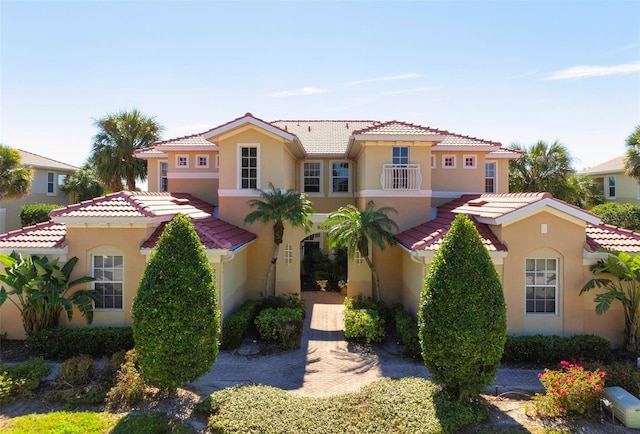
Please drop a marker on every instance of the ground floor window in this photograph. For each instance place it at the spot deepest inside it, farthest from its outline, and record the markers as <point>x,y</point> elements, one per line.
<point>109,274</point>
<point>541,286</point>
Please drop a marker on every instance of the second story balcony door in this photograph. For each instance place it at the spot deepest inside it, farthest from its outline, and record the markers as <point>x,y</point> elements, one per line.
<point>400,174</point>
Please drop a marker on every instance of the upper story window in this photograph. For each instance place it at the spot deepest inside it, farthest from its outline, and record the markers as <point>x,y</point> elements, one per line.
<point>202,161</point>
<point>164,179</point>
<point>51,184</point>
<point>611,186</point>
<point>400,155</point>
<point>340,182</point>
<point>182,161</point>
<point>490,177</point>
<point>469,161</point>
<point>248,167</point>
<point>541,285</point>
<point>433,161</point>
<point>449,161</point>
<point>311,177</point>
<point>109,274</point>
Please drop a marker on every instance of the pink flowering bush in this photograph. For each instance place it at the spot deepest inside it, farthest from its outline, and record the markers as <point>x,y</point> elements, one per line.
<point>570,390</point>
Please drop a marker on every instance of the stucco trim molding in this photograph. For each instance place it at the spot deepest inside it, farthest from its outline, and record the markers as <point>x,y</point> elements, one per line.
<point>193,175</point>
<point>237,192</point>
<point>536,206</point>
<point>394,193</point>
<point>62,251</point>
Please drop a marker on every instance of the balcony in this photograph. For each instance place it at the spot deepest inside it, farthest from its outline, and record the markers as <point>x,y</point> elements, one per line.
<point>401,177</point>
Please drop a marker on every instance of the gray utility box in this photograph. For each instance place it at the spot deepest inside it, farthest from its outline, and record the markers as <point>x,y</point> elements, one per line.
<point>626,407</point>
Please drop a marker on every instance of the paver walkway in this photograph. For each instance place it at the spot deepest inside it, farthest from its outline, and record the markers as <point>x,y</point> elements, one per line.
<point>326,364</point>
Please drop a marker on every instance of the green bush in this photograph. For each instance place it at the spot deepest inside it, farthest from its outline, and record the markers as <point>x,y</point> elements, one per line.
<point>64,343</point>
<point>176,321</point>
<point>623,215</point>
<point>291,300</point>
<point>542,349</point>
<point>363,324</point>
<point>36,213</point>
<point>271,321</point>
<point>462,314</point>
<point>77,371</point>
<point>19,381</point>
<point>155,422</point>
<point>407,331</point>
<point>625,375</point>
<point>237,324</point>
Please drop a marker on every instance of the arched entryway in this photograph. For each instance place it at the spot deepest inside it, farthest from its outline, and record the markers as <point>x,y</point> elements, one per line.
<point>321,268</point>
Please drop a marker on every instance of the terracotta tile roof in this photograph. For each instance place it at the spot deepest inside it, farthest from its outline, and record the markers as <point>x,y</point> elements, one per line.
<point>148,151</point>
<point>191,140</point>
<point>614,165</point>
<point>34,160</point>
<point>610,237</point>
<point>213,232</point>
<point>453,139</point>
<point>503,152</point>
<point>429,235</point>
<point>322,137</point>
<point>399,128</point>
<point>137,204</point>
<point>496,205</point>
<point>48,235</point>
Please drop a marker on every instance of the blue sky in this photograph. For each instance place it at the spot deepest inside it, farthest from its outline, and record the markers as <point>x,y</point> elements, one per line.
<point>505,71</point>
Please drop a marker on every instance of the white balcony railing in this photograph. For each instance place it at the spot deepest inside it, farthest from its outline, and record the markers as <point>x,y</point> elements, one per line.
<point>401,177</point>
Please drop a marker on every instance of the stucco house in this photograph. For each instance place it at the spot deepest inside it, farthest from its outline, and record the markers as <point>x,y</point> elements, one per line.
<point>613,183</point>
<point>542,247</point>
<point>48,174</point>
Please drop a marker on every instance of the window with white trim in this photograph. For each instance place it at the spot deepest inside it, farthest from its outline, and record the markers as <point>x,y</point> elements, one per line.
<point>288,254</point>
<point>311,176</point>
<point>248,167</point>
<point>490,177</point>
<point>164,179</point>
<point>611,186</point>
<point>359,258</point>
<point>108,270</point>
<point>51,184</point>
<point>541,286</point>
<point>449,161</point>
<point>182,161</point>
<point>340,179</point>
<point>433,161</point>
<point>469,161</point>
<point>202,161</point>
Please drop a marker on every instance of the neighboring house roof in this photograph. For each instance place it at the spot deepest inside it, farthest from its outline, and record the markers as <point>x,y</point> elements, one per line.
<point>429,236</point>
<point>323,137</point>
<point>213,232</point>
<point>49,235</point>
<point>40,162</point>
<point>615,165</point>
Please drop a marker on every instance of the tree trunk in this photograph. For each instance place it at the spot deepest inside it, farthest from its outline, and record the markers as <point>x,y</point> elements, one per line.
<point>272,266</point>
<point>376,279</point>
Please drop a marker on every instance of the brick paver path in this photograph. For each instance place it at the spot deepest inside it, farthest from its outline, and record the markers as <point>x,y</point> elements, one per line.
<point>326,364</point>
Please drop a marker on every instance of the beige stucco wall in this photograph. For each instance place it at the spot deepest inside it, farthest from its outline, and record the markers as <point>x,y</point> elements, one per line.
<point>231,274</point>
<point>205,189</point>
<point>458,179</point>
<point>153,174</point>
<point>626,190</point>
<point>411,211</point>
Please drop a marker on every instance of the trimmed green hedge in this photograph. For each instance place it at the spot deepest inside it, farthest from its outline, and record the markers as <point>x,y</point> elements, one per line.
<point>365,324</point>
<point>271,321</point>
<point>554,349</point>
<point>407,332</point>
<point>36,213</point>
<point>235,327</point>
<point>64,343</point>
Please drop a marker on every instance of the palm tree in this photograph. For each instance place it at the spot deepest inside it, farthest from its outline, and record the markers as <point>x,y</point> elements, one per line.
<point>348,227</point>
<point>119,134</point>
<point>15,178</point>
<point>83,185</point>
<point>542,167</point>
<point>632,159</point>
<point>278,207</point>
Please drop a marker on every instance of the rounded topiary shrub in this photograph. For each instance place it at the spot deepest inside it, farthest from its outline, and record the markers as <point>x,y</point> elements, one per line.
<point>462,315</point>
<point>175,315</point>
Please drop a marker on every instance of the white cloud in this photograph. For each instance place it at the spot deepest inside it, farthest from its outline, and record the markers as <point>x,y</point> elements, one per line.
<point>576,72</point>
<point>414,90</point>
<point>303,91</point>
<point>525,74</point>
<point>391,78</point>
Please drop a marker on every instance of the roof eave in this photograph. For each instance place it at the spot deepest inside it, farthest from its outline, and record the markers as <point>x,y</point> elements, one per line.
<point>400,137</point>
<point>36,251</point>
<point>247,120</point>
<point>488,148</point>
<point>517,213</point>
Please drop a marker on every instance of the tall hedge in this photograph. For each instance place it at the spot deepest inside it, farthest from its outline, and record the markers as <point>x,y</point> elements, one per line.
<point>462,315</point>
<point>36,213</point>
<point>175,314</point>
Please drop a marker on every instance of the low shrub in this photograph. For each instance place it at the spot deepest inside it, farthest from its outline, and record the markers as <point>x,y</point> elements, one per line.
<point>291,300</point>
<point>407,331</point>
<point>236,326</point>
<point>620,374</point>
<point>572,390</point>
<point>553,349</point>
<point>80,381</point>
<point>63,343</point>
<point>363,324</point>
<point>36,213</point>
<point>271,321</point>
<point>129,389</point>
<point>77,371</point>
<point>19,381</point>
<point>155,422</point>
